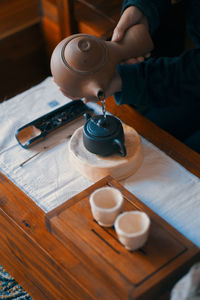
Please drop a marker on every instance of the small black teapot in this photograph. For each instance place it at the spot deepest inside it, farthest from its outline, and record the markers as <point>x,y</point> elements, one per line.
<point>104,135</point>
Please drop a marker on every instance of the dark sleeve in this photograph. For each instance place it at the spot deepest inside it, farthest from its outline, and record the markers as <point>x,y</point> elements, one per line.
<point>152,9</point>
<point>162,81</point>
<point>193,24</point>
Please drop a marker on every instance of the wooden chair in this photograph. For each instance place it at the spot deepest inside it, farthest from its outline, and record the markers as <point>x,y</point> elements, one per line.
<point>61,18</point>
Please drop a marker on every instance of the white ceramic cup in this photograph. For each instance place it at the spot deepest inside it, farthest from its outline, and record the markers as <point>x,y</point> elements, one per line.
<point>132,228</point>
<point>106,203</point>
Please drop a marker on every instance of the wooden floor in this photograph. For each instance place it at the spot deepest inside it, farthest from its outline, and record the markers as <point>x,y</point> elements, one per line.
<point>23,61</point>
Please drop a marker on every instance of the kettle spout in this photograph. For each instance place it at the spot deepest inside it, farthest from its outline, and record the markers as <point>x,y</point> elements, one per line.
<point>94,90</point>
<point>100,95</point>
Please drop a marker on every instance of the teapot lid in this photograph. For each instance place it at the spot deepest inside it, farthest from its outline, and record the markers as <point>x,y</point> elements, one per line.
<point>84,53</point>
<point>100,126</point>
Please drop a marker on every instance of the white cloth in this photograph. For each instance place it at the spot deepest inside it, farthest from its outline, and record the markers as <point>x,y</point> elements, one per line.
<point>49,179</point>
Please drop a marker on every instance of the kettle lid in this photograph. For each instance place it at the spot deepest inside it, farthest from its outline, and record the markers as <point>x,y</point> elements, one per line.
<point>84,53</point>
<point>100,126</point>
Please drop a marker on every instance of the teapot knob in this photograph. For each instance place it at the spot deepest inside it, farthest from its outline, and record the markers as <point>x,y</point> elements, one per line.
<point>84,45</point>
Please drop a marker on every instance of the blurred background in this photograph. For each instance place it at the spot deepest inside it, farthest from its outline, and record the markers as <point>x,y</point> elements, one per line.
<point>30,30</point>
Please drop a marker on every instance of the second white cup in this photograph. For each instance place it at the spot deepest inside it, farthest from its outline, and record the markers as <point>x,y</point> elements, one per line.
<point>132,228</point>
<point>106,203</point>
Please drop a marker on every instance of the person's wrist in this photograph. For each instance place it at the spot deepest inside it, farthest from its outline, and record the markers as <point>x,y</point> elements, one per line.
<point>136,16</point>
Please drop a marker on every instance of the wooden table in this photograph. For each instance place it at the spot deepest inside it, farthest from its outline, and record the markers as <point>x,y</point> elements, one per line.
<point>35,258</point>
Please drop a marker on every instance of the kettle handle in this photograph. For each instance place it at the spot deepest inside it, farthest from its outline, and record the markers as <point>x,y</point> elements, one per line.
<point>122,151</point>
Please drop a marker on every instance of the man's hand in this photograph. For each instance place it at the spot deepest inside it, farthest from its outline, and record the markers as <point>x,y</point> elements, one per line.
<point>131,16</point>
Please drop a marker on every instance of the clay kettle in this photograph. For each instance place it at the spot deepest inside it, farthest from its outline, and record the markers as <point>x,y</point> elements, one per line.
<point>83,65</point>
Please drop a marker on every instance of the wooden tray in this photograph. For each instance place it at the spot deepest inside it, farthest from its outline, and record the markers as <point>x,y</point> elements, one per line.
<point>126,275</point>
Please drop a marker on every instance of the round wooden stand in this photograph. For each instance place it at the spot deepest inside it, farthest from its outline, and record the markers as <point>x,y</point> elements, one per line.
<point>94,167</point>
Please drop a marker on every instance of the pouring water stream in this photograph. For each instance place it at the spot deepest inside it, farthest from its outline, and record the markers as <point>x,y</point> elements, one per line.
<point>103,108</point>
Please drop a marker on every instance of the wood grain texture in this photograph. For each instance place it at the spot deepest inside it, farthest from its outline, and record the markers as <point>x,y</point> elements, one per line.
<point>142,270</point>
<point>160,138</point>
<point>16,15</point>
<point>25,222</point>
<point>23,61</point>
<point>62,18</point>
<point>22,212</point>
<point>99,18</point>
<point>22,226</point>
<point>43,274</point>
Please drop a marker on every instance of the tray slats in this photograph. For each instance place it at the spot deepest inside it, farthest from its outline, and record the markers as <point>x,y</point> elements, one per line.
<point>166,249</point>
